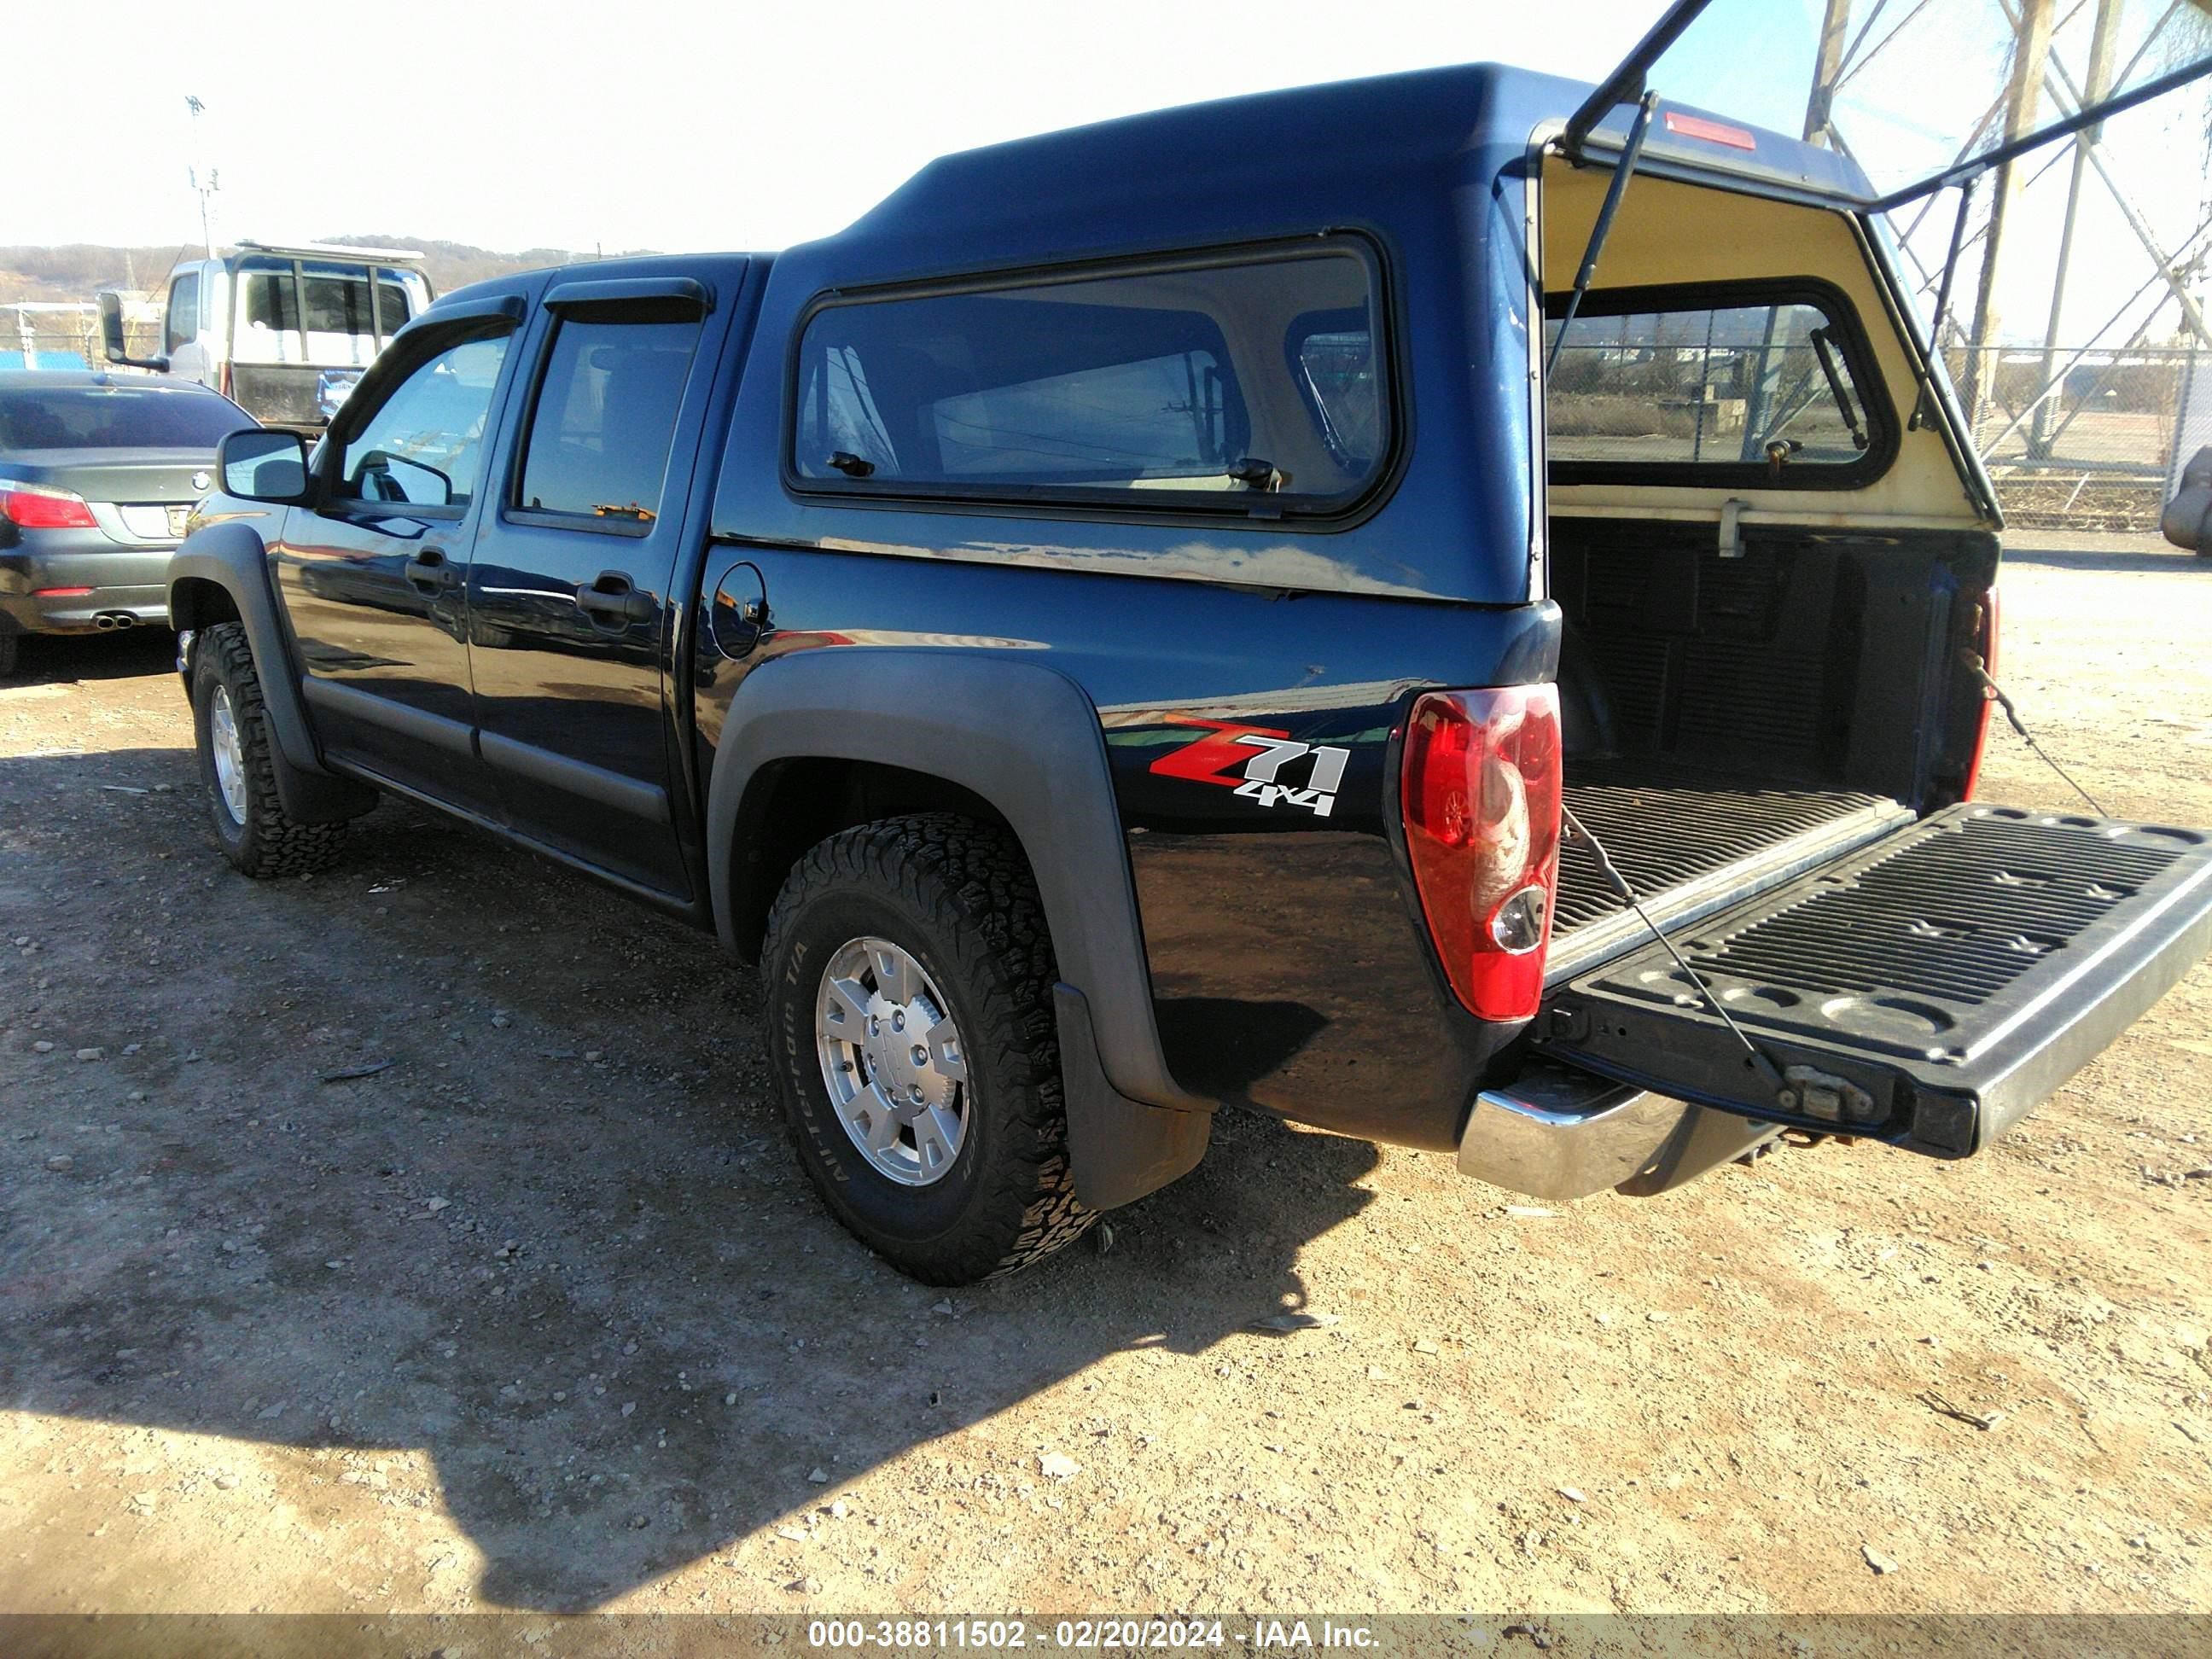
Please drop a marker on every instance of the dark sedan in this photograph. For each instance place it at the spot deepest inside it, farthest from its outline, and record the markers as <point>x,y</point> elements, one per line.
<point>98,474</point>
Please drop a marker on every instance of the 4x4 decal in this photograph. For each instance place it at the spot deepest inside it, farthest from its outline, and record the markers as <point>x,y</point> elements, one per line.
<point>1250,760</point>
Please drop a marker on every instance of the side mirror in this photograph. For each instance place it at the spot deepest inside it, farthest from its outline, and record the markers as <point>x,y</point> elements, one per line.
<point>2188,518</point>
<point>258,465</point>
<point>111,335</point>
<point>111,325</point>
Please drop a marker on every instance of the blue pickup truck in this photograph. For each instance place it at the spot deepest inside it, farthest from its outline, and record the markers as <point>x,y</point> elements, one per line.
<point>1222,608</point>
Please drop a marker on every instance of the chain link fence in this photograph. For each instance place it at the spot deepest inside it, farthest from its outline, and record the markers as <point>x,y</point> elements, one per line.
<point>55,335</point>
<point>2096,450</point>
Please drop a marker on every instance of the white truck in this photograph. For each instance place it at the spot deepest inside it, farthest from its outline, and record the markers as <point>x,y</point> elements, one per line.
<point>282,329</point>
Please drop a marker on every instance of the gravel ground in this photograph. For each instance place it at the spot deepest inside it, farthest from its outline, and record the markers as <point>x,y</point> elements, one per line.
<point>543,1314</point>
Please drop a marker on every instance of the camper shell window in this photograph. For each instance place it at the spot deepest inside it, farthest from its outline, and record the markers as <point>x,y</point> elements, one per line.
<point>1747,385</point>
<point>1251,383</point>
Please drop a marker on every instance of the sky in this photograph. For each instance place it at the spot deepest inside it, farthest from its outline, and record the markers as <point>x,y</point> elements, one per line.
<point>753,124</point>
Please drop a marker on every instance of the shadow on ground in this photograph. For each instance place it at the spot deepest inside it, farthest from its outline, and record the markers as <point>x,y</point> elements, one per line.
<point>48,659</point>
<point>559,1242</point>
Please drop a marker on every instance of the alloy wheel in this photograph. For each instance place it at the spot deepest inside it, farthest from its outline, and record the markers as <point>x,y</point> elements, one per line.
<point>891,1061</point>
<point>229,752</point>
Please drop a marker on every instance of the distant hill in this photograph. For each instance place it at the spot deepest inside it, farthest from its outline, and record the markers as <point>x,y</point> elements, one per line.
<point>77,270</point>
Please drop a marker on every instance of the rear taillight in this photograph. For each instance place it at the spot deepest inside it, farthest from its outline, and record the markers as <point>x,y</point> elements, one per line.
<point>1989,649</point>
<point>35,507</point>
<point>1480,788</point>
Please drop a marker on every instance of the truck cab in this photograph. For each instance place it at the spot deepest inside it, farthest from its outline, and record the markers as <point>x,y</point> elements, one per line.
<point>285,329</point>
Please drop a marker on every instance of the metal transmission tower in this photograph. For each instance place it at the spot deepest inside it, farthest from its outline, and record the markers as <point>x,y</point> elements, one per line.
<point>2023,92</point>
<point>2102,42</point>
<point>2040,87</point>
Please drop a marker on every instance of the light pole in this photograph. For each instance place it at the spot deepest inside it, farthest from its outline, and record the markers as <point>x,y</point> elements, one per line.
<point>192,171</point>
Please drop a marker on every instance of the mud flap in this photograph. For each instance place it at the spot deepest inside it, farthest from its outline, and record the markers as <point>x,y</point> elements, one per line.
<point>1929,990</point>
<point>1120,1149</point>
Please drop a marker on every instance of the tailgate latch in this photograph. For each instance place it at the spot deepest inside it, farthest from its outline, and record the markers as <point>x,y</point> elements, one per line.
<point>1818,1094</point>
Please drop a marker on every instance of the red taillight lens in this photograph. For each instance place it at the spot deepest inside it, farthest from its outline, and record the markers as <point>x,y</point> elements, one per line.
<point>1480,788</point>
<point>1989,647</point>
<point>38,508</point>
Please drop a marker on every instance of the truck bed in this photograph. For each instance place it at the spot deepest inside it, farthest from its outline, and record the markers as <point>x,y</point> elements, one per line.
<point>1732,718</point>
<point>1688,840</point>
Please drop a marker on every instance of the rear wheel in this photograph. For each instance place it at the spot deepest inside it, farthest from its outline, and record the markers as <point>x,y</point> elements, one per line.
<point>232,728</point>
<point>910,982</point>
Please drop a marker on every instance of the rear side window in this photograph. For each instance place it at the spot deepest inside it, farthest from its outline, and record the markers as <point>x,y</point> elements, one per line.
<point>606,417</point>
<point>1225,385</point>
<point>183,325</point>
<point>1734,384</point>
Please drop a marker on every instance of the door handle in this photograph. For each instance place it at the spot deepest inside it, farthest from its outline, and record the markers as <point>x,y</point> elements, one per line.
<point>429,570</point>
<point>611,598</point>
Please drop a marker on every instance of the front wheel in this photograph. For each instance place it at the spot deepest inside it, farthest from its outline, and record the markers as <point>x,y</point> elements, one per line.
<point>909,981</point>
<point>237,769</point>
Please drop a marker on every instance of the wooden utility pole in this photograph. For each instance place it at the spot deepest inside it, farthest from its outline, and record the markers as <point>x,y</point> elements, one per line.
<point>2031,52</point>
<point>1828,69</point>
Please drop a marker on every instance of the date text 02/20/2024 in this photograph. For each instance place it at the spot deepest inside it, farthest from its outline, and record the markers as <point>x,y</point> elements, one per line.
<point>993,1635</point>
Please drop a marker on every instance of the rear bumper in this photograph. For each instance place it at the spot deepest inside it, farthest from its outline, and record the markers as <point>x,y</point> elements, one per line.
<point>124,581</point>
<point>1560,1134</point>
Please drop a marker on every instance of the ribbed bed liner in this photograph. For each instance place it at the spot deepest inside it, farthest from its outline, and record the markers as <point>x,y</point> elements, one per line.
<point>1665,826</point>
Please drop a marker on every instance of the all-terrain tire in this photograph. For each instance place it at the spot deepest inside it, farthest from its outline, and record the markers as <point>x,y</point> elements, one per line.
<point>264,841</point>
<point>957,896</point>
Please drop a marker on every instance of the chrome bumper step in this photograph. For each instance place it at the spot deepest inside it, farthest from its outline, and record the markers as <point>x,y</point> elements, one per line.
<point>1560,1134</point>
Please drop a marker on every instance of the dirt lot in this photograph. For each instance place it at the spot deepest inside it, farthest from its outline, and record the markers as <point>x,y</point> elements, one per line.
<point>544,1315</point>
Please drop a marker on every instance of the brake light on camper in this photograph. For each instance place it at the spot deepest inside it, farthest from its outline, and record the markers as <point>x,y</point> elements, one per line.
<point>36,507</point>
<point>1713,132</point>
<point>1480,788</point>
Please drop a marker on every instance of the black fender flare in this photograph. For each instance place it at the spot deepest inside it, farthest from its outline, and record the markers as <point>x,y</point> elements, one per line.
<point>1027,739</point>
<point>231,555</point>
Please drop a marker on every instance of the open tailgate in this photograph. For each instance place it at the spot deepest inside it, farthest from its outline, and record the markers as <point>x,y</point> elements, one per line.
<point>1929,990</point>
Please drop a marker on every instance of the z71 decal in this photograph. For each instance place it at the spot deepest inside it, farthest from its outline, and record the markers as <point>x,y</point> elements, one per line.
<point>1251,761</point>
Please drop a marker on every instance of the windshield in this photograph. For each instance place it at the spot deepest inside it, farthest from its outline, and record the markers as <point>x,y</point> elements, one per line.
<point>116,417</point>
